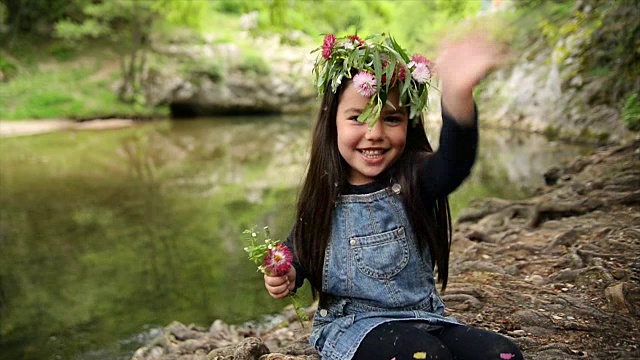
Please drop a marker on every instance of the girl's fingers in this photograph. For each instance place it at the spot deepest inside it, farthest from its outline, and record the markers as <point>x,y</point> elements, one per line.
<point>275,280</point>
<point>280,286</point>
<point>279,292</point>
<point>463,64</point>
<point>277,286</point>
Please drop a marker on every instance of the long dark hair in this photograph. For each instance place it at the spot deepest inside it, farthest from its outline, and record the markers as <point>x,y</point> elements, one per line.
<point>327,175</point>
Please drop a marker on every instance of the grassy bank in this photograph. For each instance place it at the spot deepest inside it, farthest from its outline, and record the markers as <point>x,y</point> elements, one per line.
<point>50,81</point>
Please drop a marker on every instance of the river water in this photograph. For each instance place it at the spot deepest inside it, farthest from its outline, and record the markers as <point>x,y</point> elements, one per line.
<point>107,236</point>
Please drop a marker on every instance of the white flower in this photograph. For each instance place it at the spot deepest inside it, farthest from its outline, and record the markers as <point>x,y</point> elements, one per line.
<point>348,45</point>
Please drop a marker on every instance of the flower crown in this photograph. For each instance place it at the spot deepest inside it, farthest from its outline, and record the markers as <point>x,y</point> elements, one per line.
<point>375,65</point>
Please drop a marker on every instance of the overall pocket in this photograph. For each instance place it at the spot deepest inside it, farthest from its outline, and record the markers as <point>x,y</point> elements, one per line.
<point>381,256</point>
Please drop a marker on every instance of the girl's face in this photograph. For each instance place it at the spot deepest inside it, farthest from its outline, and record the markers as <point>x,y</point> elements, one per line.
<point>369,152</point>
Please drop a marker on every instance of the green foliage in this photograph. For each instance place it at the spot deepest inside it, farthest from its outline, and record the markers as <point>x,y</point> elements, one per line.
<point>3,16</point>
<point>631,112</point>
<point>611,46</point>
<point>552,133</point>
<point>37,16</point>
<point>602,70</point>
<point>414,23</point>
<point>8,68</point>
<point>589,38</point>
<point>534,17</point>
<point>117,20</point>
<point>259,246</point>
<point>254,63</point>
<point>114,24</point>
<point>61,92</point>
<point>127,25</point>
<point>588,136</point>
<point>210,67</point>
<point>62,51</point>
<point>234,6</point>
<point>188,13</point>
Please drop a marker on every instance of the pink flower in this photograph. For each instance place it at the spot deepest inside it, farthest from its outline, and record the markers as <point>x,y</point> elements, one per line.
<point>421,71</point>
<point>401,73</point>
<point>365,83</point>
<point>398,74</point>
<point>278,260</point>
<point>420,59</point>
<point>327,45</point>
<point>421,68</point>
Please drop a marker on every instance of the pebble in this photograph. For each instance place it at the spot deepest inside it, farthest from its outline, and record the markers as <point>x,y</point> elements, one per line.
<point>534,279</point>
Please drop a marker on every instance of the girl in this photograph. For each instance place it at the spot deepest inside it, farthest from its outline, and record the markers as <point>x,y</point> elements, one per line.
<point>373,217</point>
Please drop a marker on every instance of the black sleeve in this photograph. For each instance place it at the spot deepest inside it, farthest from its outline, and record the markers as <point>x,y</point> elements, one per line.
<point>447,168</point>
<point>301,273</point>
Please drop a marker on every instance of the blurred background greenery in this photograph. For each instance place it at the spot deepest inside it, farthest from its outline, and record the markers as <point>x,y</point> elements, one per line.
<point>62,56</point>
<point>84,59</point>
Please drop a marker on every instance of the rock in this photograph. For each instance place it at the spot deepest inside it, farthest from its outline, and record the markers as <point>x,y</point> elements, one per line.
<point>624,298</point>
<point>207,79</point>
<point>249,349</point>
<point>531,318</point>
<point>482,266</point>
<point>535,279</point>
<point>180,331</point>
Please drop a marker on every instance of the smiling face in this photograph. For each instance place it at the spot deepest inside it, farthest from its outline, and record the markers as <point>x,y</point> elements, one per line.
<point>369,152</point>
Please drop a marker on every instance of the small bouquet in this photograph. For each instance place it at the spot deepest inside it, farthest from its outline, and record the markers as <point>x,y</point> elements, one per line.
<point>273,258</point>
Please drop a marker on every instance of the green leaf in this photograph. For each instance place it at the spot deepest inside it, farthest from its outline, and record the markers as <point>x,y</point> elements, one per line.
<point>400,50</point>
<point>389,70</point>
<point>366,113</point>
<point>405,86</point>
<point>377,66</point>
<point>390,104</point>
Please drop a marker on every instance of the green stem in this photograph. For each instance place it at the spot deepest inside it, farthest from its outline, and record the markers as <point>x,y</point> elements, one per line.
<point>300,311</point>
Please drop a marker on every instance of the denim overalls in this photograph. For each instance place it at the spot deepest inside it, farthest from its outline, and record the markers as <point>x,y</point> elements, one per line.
<point>374,273</point>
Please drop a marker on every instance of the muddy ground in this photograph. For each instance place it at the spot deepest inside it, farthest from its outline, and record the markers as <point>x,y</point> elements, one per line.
<point>559,273</point>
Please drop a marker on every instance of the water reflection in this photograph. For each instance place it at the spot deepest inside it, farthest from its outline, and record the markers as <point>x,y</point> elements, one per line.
<point>107,235</point>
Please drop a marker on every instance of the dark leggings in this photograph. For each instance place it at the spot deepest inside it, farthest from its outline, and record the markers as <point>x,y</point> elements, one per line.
<point>402,340</point>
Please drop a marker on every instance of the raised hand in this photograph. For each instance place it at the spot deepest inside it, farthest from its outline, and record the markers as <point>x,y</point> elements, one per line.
<point>460,66</point>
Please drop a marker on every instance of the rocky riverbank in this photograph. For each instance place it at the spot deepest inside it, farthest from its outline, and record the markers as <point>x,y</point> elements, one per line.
<point>559,273</point>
